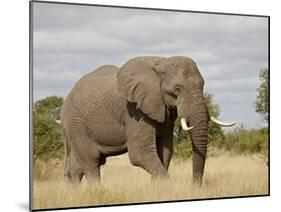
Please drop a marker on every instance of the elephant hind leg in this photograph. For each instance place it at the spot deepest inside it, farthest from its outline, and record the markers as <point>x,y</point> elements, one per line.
<point>90,166</point>
<point>74,172</point>
<point>85,153</point>
<point>92,174</point>
<point>76,177</point>
<point>88,158</point>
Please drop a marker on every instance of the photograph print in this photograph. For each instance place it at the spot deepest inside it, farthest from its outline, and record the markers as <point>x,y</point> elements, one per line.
<point>141,105</point>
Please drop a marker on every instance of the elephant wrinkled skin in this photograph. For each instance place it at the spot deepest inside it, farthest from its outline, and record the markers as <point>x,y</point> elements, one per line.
<point>112,110</point>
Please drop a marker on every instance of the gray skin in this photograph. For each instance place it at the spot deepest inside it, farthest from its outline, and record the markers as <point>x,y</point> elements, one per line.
<point>132,109</point>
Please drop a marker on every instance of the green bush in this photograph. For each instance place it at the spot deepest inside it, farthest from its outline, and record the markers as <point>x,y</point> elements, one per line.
<point>242,140</point>
<point>47,135</point>
<point>183,149</point>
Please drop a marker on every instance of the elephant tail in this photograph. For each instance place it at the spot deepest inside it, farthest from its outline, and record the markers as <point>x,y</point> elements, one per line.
<point>66,150</point>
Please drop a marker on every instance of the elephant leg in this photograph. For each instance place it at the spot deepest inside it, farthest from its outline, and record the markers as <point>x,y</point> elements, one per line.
<point>75,173</point>
<point>149,162</point>
<point>165,150</point>
<point>141,143</point>
<point>143,153</point>
<point>87,156</point>
<point>90,163</point>
<point>93,174</point>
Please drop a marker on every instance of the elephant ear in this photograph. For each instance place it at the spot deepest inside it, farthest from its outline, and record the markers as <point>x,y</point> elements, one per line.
<point>139,83</point>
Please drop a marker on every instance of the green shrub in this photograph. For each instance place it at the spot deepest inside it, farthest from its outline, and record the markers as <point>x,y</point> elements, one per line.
<point>47,135</point>
<point>183,149</point>
<point>242,140</point>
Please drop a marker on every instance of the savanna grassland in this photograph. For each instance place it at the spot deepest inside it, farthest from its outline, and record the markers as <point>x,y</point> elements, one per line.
<point>226,175</point>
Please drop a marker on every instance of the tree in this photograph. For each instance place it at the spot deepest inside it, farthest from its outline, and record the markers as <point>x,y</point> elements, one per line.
<point>263,95</point>
<point>216,136</point>
<point>49,106</point>
<point>46,132</point>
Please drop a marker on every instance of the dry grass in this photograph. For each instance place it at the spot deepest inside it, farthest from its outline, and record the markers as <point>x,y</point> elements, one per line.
<point>225,175</point>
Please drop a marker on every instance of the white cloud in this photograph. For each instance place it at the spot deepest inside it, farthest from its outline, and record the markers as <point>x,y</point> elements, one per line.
<point>75,41</point>
<point>233,85</point>
<point>62,76</point>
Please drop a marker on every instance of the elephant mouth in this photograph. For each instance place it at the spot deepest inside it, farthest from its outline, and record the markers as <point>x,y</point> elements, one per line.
<point>185,126</point>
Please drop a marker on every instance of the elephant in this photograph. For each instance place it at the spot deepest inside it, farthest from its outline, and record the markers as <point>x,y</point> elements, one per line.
<point>113,110</point>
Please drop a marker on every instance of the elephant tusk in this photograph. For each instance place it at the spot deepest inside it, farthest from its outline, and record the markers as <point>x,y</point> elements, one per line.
<point>184,125</point>
<point>221,123</point>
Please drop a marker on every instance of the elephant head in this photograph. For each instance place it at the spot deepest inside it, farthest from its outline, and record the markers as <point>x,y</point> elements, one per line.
<point>156,84</point>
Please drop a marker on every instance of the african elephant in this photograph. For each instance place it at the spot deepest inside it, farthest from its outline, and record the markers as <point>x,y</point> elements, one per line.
<point>112,110</point>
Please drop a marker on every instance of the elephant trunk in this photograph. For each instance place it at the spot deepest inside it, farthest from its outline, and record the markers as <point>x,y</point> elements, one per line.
<point>199,150</point>
<point>199,137</point>
<point>194,118</point>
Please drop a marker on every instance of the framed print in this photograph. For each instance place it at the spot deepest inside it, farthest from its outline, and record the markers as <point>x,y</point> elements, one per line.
<point>143,105</point>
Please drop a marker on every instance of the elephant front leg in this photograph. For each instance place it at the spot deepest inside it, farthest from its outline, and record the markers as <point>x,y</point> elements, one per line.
<point>146,157</point>
<point>142,150</point>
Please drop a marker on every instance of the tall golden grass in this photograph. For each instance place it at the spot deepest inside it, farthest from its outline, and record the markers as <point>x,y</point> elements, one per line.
<point>225,175</point>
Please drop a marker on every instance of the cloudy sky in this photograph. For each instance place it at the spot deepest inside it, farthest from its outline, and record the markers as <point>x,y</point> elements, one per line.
<point>70,41</point>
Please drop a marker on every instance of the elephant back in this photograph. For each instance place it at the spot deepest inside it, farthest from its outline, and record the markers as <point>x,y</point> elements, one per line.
<point>91,88</point>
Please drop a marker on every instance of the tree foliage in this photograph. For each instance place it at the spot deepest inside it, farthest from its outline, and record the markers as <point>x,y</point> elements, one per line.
<point>47,133</point>
<point>263,95</point>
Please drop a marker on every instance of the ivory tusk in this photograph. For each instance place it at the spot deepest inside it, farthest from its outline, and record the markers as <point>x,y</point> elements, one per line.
<point>221,123</point>
<point>184,125</point>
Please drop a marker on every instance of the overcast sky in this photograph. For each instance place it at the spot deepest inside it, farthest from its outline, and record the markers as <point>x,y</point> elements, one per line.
<point>230,51</point>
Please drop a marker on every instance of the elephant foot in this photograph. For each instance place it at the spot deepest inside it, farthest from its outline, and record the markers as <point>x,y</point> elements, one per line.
<point>75,179</point>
